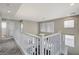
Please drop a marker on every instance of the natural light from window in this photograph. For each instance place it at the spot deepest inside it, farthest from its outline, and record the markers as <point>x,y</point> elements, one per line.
<point>69,40</point>
<point>21,27</point>
<point>4,25</point>
<point>69,24</point>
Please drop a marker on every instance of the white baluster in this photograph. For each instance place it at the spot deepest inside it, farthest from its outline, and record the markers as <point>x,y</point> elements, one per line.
<point>37,45</point>
<point>42,44</point>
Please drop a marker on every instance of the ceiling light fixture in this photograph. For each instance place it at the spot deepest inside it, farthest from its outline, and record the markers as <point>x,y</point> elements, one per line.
<point>72,4</point>
<point>9,11</point>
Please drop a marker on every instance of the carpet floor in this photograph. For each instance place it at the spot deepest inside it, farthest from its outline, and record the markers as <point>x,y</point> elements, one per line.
<point>9,47</point>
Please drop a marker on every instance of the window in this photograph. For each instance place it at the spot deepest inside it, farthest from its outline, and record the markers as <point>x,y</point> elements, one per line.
<point>21,26</point>
<point>47,27</point>
<point>50,27</point>
<point>69,40</point>
<point>69,24</point>
<point>43,27</point>
<point>3,26</point>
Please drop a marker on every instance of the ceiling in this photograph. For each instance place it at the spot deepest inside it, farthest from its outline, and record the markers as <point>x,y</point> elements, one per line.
<point>9,10</point>
<point>37,11</point>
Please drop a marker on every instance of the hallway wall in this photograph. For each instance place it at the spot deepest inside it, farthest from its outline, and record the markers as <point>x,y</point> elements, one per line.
<point>0,26</point>
<point>30,27</point>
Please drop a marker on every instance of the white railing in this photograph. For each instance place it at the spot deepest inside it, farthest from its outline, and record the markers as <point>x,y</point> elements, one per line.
<point>27,42</point>
<point>52,44</point>
<point>40,45</point>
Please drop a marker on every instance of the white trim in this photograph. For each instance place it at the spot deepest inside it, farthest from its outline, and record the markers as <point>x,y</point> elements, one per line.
<point>32,35</point>
<point>51,35</point>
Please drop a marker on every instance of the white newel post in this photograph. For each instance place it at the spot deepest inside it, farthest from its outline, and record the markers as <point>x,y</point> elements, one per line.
<point>42,44</point>
<point>60,42</point>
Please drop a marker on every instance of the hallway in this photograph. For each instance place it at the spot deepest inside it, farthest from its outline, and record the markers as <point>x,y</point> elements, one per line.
<point>9,47</point>
<point>39,29</point>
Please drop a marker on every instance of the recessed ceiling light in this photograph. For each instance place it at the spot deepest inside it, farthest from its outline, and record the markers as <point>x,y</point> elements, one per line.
<point>9,11</point>
<point>72,4</point>
<point>73,13</point>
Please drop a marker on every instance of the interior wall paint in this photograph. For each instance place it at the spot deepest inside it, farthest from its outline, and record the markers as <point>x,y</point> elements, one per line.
<point>0,26</point>
<point>30,27</point>
<point>59,27</point>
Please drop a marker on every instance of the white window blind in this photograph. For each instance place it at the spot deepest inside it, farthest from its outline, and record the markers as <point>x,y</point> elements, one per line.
<point>47,27</point>
<point>3,26</point>
<point>69,24</point>
<point>21,27</point>
<point>69,40</point>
